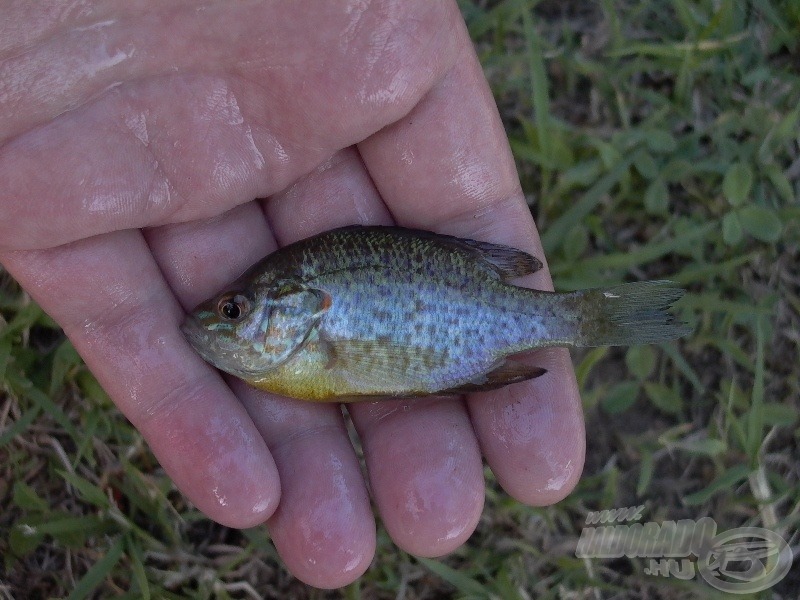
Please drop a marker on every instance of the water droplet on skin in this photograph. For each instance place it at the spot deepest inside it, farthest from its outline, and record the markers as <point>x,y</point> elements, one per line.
<point>353,563</point>
<point>137,123</point>
<point>557,483</point>
<point>223,500</point>
<point>453,533</point>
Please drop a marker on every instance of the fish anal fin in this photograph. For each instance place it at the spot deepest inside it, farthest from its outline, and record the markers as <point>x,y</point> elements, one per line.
<point>508,372</point>
<point>379,368</point>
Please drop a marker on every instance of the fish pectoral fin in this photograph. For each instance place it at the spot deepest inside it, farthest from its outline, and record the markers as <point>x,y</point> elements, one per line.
<point>328,350</point>
<point>509,371</point>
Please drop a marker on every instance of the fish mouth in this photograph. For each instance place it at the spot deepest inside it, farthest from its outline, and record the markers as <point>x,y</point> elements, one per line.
<point>209,348</point>
<point>198,338</point>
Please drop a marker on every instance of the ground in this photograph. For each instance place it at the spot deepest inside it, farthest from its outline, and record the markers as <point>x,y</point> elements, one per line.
<point>654,139</point>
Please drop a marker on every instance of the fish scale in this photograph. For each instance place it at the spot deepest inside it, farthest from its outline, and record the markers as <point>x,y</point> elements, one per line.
<point>361,312</point>
<point>426,320</point>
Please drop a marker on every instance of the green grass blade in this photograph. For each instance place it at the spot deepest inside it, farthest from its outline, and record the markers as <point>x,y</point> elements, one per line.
<point>24,319</point>
<point>643,255</point>
<point>98,572</point>
<point>465,584</point>
<point>20,425</point>
<point>540,94</point>
<point>730,478</point>
<point>556,231</point>
<point>88,491</point>
<point>24,387</point>
<point>645,473</point>
<point>139,573</point>
<point>683,366</point>
<point>755,417</point>
<point>5,356</point>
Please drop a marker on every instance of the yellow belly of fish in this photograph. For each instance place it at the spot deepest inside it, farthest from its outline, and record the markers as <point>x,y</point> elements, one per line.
<point>314,374</point>
<point>303,376</point>
<point>308,376</point>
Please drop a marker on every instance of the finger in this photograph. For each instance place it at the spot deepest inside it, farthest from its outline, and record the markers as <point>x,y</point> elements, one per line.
<point>448,167</point>
<point>108,295</point>
<point>199,258</point>
<point>337,193</point>
<point>323,527</point>
<point>70,61</point>
<point>422,457</point>
<point>171,115</point>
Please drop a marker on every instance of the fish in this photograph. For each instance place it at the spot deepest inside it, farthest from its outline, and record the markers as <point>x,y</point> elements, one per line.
<point>368,312</point>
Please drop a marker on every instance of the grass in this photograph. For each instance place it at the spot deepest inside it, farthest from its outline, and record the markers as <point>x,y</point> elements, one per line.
<point>655,139</point>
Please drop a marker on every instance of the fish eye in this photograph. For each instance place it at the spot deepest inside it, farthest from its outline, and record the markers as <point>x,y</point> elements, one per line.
<point>233,307</point>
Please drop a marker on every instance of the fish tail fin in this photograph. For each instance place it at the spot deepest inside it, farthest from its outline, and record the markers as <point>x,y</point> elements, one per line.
<point>624,315</point>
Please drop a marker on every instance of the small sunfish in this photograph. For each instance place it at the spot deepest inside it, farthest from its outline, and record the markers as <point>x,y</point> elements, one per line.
<point>363,312</point>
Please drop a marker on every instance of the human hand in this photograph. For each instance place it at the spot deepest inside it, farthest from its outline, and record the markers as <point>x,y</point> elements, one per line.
<point>134,137</point>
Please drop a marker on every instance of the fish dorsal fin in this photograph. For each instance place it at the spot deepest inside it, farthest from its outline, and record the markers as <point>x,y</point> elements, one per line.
<point>505,261</point>
<point>509,371</point>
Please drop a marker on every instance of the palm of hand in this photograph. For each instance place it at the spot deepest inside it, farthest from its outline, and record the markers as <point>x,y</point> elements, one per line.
<point>133,138</point>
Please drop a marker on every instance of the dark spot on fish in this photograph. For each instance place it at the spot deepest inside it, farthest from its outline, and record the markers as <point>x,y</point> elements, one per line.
<point>383,314</point>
